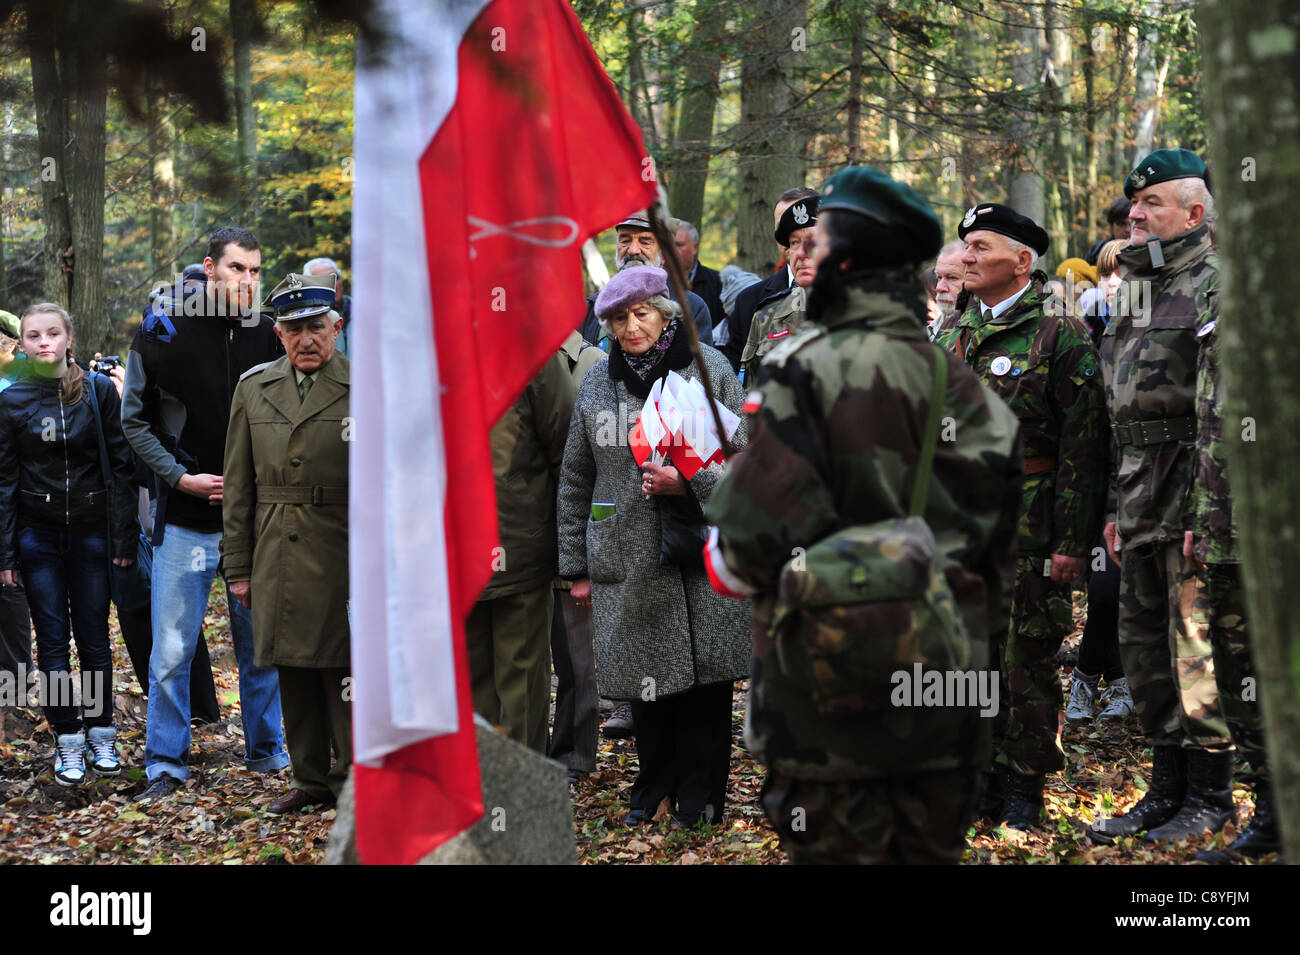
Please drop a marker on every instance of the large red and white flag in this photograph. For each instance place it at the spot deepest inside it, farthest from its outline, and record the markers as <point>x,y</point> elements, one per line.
<point>489,143</point>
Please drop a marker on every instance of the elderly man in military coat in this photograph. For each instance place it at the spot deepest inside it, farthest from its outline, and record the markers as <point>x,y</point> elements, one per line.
<point>285,543</point>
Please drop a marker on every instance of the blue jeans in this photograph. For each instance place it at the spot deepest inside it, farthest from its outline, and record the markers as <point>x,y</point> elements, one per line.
<point>66,577</point>
<point>183,570</point>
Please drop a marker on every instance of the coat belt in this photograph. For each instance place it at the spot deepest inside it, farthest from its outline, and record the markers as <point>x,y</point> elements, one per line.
<point>1039,465</point>
<point>1155,431</point>
<point>316,495</point>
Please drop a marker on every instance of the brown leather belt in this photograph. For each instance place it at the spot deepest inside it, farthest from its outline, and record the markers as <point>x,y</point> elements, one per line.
<point>1039,465</point>
<point>1155,431</point>
<point>316,495</point>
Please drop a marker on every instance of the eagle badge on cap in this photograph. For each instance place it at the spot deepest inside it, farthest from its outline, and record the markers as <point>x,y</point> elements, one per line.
<point>295,282</point>
<point>801,214</point>
<point>969,220</point>
<point>1139,180</point>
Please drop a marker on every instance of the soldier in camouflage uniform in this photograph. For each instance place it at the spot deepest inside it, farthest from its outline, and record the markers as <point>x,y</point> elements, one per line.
<point>1043,364</point>
<point>1149,358</point>
<point>782,315</point>
<point>1219,611</point>
<point>838,411</point>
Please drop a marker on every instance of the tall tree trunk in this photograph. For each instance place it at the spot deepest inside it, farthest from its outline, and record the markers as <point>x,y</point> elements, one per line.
<point>86,200</point>
<point>1025,193</point>
<point>854,137</point>
<point>242,14</point>
<point>1088,63</point>
<point>1251,57</point>
<point>1059,98</point>
<point>162,172</point>
<point>52,169</point>
<point>1146,96</point>
<point>694,141</point>
<point>772,151</point>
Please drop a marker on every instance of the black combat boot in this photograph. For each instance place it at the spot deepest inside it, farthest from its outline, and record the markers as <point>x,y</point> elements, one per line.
<point>1023,806</point>
<point>1158,806</point>
<point>1209,798</point>
<point>1260,838</point>
<point>992,791</point>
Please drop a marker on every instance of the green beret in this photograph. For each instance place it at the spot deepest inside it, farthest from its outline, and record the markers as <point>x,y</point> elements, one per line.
<point>1163,165</point>
<point>872,193</point>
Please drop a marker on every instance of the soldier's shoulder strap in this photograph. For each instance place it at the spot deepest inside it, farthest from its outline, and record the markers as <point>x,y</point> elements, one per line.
<point>806,334</point>
<point>254,370</point>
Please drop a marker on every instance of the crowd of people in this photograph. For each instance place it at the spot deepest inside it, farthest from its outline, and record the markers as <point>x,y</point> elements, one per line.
<point>938,443</point>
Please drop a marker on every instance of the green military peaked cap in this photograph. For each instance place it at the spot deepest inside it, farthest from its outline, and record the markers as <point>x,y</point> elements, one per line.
<point>302,296</point>
<point>1163,165</point>
<point>870,192</point>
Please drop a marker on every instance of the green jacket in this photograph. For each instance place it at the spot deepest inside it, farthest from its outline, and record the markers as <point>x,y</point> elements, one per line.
<point>771,324</point>
<point>838,413</point>
<point>294,552</point>
<point>527,449</point>
<point>1213,524</point>
<point>1148,357</point>
<point>1046,369</point>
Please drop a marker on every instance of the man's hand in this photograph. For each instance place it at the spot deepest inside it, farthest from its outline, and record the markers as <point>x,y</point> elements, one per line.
<point>123,561</point>
<point>1113,543</point>
<point>581,592</point>
<point>1189,550</point>
<point>10,578</point>
<point>241,590</point>
<point>1066,569</point>
<point>656,479</point>
<point>207,486</point>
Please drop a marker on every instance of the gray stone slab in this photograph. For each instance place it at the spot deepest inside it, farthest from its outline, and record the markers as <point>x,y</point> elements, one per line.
<point>527,816</point>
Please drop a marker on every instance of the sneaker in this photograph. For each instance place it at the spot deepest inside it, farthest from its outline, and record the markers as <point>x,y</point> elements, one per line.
<point>1116,702</point>
<point>1083,697</point>
<point>69,759</point>
<point>101,750</point>
<point>619,725</point>
<point>160,788</point>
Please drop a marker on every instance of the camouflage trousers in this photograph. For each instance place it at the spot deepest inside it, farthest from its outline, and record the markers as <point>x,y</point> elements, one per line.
<point>1219,613</point>
<point>914,819</point>
<point>1169,664</point>
<point>1026,730</point>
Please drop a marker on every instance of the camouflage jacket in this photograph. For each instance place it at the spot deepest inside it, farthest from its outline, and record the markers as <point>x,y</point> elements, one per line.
<point>771,324</point>
<point>1148,357</point>
<point>1046,368</point>
<point>1212,519</point>
<point>837,417</point>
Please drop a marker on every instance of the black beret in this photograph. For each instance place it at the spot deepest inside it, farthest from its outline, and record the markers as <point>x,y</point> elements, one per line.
<point>800,215</point>
<point>993,217</point>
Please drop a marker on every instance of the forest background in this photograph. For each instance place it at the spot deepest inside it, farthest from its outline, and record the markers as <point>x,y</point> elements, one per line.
<point>1042,105</point>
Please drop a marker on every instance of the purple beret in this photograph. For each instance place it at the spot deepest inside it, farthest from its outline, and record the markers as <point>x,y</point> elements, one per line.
<point>630,286</point>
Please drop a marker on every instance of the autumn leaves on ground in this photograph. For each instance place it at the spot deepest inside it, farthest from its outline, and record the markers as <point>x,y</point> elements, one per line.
<point>220,816</point>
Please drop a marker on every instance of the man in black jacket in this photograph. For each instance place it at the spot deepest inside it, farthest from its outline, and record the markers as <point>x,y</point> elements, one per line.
<point>774,286</point>
<point>700,279</point>
<point>180,377</point>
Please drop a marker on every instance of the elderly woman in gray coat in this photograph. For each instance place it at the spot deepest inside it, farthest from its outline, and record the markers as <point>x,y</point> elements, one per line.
<point>664,639</point>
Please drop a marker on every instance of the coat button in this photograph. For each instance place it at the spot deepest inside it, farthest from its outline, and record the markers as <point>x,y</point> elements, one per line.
<point>296,461</point>
<point>293,537</point>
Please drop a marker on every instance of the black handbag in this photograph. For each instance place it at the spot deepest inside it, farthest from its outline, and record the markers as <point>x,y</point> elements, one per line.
<point>129,587</point>
<point>682,531</point>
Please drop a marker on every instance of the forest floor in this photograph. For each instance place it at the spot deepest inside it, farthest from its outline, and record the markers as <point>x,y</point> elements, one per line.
<point>220,817</point>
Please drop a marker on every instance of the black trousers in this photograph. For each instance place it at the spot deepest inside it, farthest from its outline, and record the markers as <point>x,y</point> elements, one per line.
<point>577,705</point>
<point>15,631</point>
<point>683,745</point>
<point>1099,648</point>
<point>137,634</point>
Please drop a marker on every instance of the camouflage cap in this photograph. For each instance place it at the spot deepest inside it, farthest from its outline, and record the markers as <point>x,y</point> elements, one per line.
<point>1164,165</point>
<point>302,296</point>
<point>872,193</point>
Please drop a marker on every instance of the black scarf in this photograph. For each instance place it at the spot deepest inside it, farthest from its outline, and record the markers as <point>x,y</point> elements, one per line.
<point>676,357</point>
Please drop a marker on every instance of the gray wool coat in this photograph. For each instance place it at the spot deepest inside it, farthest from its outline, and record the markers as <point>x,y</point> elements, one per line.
<point>653,622</point>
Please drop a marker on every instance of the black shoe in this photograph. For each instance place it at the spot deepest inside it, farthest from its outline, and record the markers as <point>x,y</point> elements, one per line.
<point>637,817</point>
<point>160,788</point>
<point>619,725</point>
<point>1258,839</point>
<point>991,793</point>
<point>1208,804</point>
<point>1022,808</point>
<point>1161,803</point>
<point>575,776</point>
